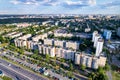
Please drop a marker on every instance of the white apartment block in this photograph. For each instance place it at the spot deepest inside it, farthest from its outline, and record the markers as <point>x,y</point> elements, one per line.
<point>60,43</point>
<point>40,48</point>
<point>22,41</point>
<point>23,24</point>
<point>63,34</point>
<point>68,54</point>
<point>93,35</point>
<point>102,61</point>
<point>38,37</point>
<point>95,63</point>
<point>32,45</point>
<point>89,61</point>
<point>49,50</point>
<point>73,45</point>
<point>97,36</point>
<point>16,35</point>
<point>56,51</point>
<point>49,42</point>
<point>9,34</point>
<point>77,58</point>
<point>99,47</point>
<point>86,60</point>
<point>25,37</point>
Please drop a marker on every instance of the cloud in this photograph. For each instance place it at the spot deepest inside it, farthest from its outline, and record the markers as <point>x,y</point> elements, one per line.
<point>27,2</point>
<point>110,4</point>
<point>79,3</point>
<point>64,3</point>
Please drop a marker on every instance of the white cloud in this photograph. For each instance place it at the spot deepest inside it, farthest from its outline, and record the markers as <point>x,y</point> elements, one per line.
<point>15,1</point>
<point>110,5</point>
<point>64,3</point>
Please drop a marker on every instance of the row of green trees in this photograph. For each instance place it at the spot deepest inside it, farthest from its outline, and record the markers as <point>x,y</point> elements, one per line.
<point>98,75</point>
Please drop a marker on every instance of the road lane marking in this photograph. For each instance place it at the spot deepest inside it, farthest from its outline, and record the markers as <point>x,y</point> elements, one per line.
<point>16,71</point>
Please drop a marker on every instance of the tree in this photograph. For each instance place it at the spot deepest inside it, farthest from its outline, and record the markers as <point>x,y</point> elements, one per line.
<point>47,57</point>
<point>70,74</point>
<point>2,39</point>
<point>100,70</point>
<point>83,67</point>
<point>71,66</point>
<point>36,51</point>
<point>107,67</point>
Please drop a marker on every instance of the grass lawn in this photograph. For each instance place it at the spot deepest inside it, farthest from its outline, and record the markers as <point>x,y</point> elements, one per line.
<point>115,75</point>
<point>5,78</point>
<point>4,44</point>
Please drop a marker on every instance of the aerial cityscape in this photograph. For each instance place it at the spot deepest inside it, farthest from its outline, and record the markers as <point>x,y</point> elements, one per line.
<point>59,40</point>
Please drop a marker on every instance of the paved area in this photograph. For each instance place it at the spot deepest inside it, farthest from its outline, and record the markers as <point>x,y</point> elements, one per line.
<point>17,72</point>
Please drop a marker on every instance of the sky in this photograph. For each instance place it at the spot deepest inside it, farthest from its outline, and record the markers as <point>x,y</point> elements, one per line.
<point>59,6</point>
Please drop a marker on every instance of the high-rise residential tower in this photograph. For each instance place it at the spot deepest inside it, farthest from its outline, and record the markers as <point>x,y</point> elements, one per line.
<point>99,47</point>
<point>93,36</point>
<point>107,34</point>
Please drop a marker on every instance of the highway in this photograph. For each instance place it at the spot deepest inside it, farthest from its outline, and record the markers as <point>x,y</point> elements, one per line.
<point>18,73</point>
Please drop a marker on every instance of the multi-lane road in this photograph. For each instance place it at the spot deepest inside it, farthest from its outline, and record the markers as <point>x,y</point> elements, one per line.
<point>18,73</point>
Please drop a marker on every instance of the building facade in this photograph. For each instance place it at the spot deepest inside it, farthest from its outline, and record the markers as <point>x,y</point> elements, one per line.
<point>93,35</point>
<point>118,31</point>
<point>107,34</point>
<point>97,36</point>
<point>99,46</point>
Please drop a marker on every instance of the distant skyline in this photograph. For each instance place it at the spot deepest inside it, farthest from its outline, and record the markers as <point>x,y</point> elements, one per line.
<point>59,6</point>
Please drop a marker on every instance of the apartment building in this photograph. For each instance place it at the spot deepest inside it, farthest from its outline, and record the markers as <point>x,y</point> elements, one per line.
<point>89,60</point>
<point>32,45</point>
<point>13,34</point>
<point>93,35</point>
<point>107,34</point>
<point>97,36</point>
<point>60,43</point>
<point>38,37</point>
<point>73,45</point>
<point>22,41</point>
<point>49,42</point>
<point>49,50</point>
<point>99,46</point>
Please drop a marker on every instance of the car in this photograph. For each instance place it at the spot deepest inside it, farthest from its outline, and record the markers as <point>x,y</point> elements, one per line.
<point>9,64</point>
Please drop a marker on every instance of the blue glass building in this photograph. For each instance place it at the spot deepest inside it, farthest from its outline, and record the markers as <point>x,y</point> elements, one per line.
<point>107,34</point>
